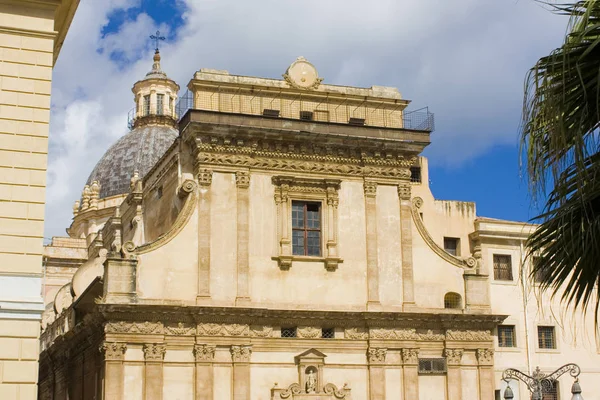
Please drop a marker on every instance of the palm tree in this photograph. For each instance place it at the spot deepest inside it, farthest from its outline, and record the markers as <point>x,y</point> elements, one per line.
<point>559,142</point>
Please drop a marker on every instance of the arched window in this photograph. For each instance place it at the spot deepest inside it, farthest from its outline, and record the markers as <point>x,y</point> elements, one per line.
<point>452,300</point>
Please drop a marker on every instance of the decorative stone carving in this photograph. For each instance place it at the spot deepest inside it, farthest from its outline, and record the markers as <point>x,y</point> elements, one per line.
<point>308,332</point>
<point>404,191</point>
<point>180,329</point>
<point>113,351</point>
<point>212,329</point>
<point>85,198</point>
<point>295,391</point>
<point>133,183</point>
<point>262,331</point>
<point>470,336</point>
<point>301,74</point>
<point>311,380</point>
<point>453,356</point>
<point>430,336</point>
<point>204,177</point>
<point>410,356</point>
<point>485,356</point>
<point>134,327</point>
<point>376,355</point>
<point>76,208</point>
<point>188,186</point>
<point>155,351</point>
<point>94,194</point>
<point>242,179</point>
<point>204,352</point>
<point>370,188</point>
<point>356,334</point>
<point>241,353</point>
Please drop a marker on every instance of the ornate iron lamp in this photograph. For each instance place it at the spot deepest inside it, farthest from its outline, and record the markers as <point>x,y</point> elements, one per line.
<point>540,383</point>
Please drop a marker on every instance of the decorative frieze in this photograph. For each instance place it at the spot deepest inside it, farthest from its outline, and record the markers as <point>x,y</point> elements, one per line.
<point>376,355</point>
<point>204,352</point>
<point>404,334</point>
<point>485,356</point>
<point>212,329</point>
<point>148,328</point>
<point>356,334</point>
<point>410,356</point>
<point>468,335</point>
<point>154,351</point>
<point>113,351</point>
<point>308,332</point>
<point>241,353</point>
<point>453,356</point>
<point>180,329</point>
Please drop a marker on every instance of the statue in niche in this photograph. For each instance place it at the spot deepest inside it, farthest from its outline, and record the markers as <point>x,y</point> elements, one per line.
<point>311,380</point>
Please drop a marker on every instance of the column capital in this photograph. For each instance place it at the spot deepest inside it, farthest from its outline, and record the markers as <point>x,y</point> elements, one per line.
<point>241,354</point>
<point>410,356</point>
<point>204,177</point>
<point>370,188</point>
<point>154,351</point>
<point>204,352</point>
<point>404,191</point>
<point>485,356</point>
<point>242,179</point>
<point>113,351</point>
<point>376,355</point>
<point>453,356</point>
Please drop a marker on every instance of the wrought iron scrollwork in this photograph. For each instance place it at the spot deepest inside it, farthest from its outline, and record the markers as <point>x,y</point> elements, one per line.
<point>539,382</point>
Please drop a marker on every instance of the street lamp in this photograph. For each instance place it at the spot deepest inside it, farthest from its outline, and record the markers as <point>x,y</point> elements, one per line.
<point>540,383</point>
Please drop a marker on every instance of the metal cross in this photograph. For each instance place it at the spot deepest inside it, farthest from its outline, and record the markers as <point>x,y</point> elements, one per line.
<point>157,38</point>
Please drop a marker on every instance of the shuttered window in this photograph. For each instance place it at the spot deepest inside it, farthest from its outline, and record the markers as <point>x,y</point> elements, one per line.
<point>503,267</point>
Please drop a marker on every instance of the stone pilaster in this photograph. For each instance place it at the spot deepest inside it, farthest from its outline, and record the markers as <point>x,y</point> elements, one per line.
<point>410,369</point>
<point>240,356</point>
<point>204,198</point>
<point>154,355</point>
<point>242,180</point>
<point>120,280</point>
<point>485,360</point>
<point>204,355</point>
<point>454,374</point>
<point>408,294</point>
<point>114,354</point>
<point>376,358</point>
<point>333,257</point>
<point>370,189</point>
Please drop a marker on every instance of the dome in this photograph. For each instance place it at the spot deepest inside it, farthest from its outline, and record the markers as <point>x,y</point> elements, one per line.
<point>138,150</point>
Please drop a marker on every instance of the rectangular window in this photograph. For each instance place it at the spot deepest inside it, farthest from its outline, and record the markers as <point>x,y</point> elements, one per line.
<point>546,339</point>
<point>328,333</point>
<point>432,365</point>
<point>270,113</point>
<point>506,336</point>
<point>288,332</point>
<point>306,115</point>
<point>356,121</point>
<point>415,174</point>
<point>503,267</point>
<point>452,245</point>
<point>497,395</point>
<point>537,277</point>
<point>306,228</point>
<point>147,105</point>
<point>160,104</point>
<point>170,105</point>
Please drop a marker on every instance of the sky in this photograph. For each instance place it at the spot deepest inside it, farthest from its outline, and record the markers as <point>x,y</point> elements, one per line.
<point>464,59</point>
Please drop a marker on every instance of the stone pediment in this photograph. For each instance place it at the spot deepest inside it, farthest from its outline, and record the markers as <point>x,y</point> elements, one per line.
<point>312,355</point>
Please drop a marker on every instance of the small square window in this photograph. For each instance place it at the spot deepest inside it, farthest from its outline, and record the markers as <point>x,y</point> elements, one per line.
<point>503,267</point>
<point>452,245</point>
<point>506,336</point>
<point>328,333</point>
<point>546,338</point>
<point>306,228</point>
<point>288,332</point>
<point>306,115</point>
<point>356,121</point>
<point>415,174</point>
<point>270,113</point>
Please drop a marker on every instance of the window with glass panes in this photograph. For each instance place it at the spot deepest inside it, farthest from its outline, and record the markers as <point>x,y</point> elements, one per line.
<point>147,105</point>
<point>502,267</point>
<point>160,104</point>
<point>546,339</point>
<point>306,228</point>
<point>506,336</point>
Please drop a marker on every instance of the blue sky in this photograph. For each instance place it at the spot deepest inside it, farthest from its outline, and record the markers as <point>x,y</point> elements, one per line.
<point>465,59</point>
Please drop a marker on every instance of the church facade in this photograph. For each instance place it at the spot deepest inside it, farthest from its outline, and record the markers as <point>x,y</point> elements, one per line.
<point>279,240</point>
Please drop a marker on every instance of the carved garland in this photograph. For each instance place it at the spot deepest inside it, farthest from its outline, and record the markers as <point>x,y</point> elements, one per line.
<point>465,263</point>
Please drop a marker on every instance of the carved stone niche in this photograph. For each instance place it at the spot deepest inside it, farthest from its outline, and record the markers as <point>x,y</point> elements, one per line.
<point>310,381</point>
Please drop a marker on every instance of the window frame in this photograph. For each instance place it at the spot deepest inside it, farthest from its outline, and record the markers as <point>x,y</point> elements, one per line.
<point>497,275</point>
<point>456,241</point>
<point>146,107</point>
<point>554,338</point>
<point>513,334</point>
<point>305,229</point>
<point>160,104</point>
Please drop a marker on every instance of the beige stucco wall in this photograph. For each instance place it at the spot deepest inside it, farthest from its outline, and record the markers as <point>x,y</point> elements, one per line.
<point>27,52</point>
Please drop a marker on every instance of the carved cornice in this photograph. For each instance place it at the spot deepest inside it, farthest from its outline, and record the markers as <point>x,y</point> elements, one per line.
<point>465,263</point>
<point>453,356</point>
<point>113,351</point>
<point>376,355</point>
<point>485,356</point>
<point>154,351</point>
<point>204,352</point>
<point>241,353</point>
<point>410,356</point>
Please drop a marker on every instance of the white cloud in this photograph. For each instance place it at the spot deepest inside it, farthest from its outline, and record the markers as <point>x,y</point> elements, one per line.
<point>465,59</point>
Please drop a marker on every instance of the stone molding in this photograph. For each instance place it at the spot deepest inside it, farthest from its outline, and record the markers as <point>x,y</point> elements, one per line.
<point>113,351</point>
<point>154,351</point>
<point>405,334</point>
<point>376,355</point>
<point>410,356</point>
<point>204,352</point>
<point>465,263</point>
<point>241,354</point>
<point>485,356</point>
<point>453,356</point>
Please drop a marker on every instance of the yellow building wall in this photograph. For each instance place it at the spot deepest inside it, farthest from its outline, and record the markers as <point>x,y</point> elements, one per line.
<point>28,49</point>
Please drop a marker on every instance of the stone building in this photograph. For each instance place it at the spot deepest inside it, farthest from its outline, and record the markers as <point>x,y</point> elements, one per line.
<point>284,244</point>
<point>31,35</point>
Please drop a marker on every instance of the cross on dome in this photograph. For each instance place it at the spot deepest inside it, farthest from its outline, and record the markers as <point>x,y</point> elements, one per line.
<point>157,38</point>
